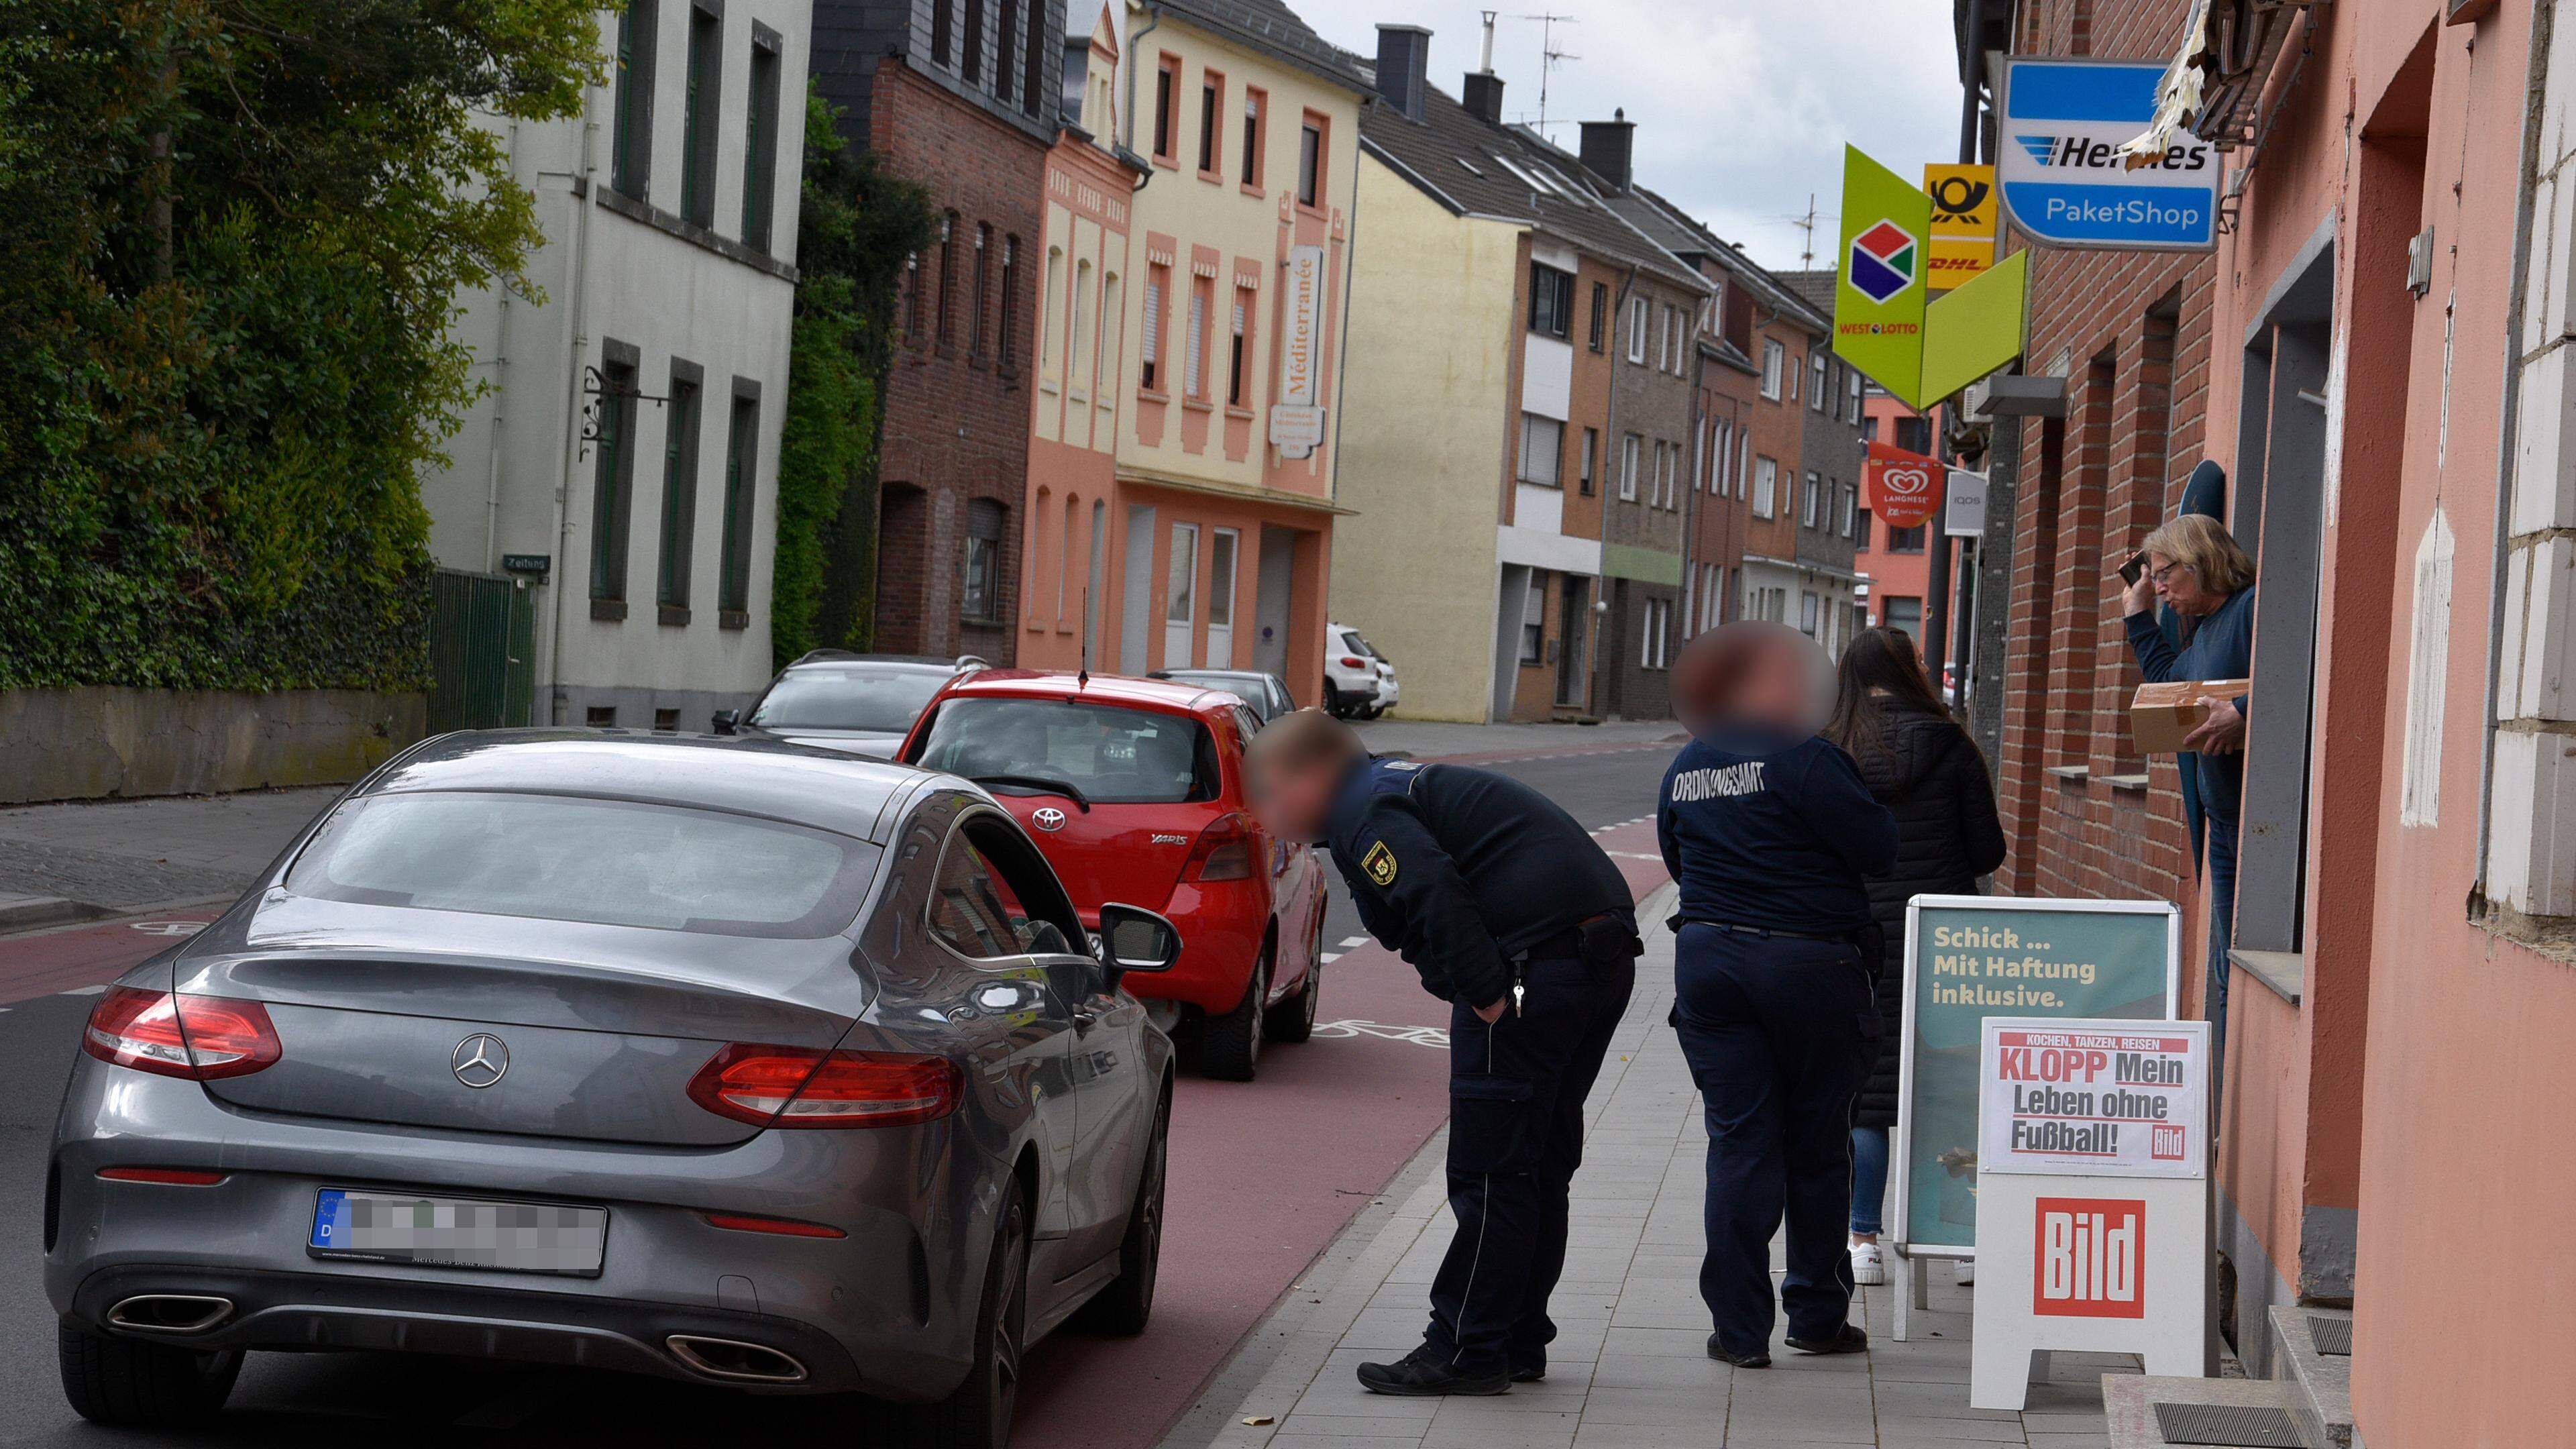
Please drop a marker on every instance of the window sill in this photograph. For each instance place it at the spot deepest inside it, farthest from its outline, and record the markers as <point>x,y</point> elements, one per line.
<point>733,618</point>
<point>1048,386</point>
<point>674,615</point>
<point>979,361</point>
<point>1234,411</point>
<point>1152,395</point>
<point>973,621</point>
<point>1213,178</point>
<point>1308,208</point>
<point>947,350</point>
<point>1252,188</point>
<point>608,611</point>
<point>1198,405</point>
<point>1536,483</point>
<point>1168,163</point>
<point>2136,782</point>
<point>2072,774</point>
<point>2285,973</point>
<point>638,210</point>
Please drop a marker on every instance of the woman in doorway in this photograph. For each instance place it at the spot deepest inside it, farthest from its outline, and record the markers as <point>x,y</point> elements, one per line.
<point>2195,567</point>
<point>1919,764</point>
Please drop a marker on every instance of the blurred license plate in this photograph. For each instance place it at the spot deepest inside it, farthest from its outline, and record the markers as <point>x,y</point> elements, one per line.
<point>519,1237</point>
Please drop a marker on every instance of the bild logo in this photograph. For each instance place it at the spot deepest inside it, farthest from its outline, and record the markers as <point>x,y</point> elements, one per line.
<point>1883,261</point>
<point>2091,1258</point>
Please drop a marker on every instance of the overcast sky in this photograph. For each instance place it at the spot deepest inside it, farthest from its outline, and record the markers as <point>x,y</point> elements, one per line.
<point>1742,106</point>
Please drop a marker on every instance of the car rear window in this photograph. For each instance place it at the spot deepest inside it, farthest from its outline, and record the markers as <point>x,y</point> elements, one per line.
<point>882,700</point>
<point>1113,755</point>
<point>617,863</point>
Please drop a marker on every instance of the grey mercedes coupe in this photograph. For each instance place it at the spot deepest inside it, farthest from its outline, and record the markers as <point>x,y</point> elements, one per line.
<point>730,1061</point>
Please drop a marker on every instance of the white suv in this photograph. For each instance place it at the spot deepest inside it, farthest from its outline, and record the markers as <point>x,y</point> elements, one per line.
<point>1358,682</point>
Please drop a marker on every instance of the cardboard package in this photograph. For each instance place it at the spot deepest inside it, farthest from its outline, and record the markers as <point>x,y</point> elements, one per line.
<point>2163,713</point>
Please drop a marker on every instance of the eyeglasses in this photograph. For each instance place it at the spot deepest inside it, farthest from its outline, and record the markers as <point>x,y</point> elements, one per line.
<point>2160,575</point>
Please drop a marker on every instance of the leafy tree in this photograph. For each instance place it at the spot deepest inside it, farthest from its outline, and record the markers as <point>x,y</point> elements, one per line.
<point>857,224</point>
<point>232,233</point>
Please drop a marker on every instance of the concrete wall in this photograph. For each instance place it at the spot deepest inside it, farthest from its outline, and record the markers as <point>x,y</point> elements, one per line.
<point>1433,334</point>
<point>95,741</point>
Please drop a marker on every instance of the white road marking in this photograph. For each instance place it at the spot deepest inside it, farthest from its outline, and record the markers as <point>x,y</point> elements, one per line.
<point>1430,1036</point>
<point>1328,957</point>
<point>1350,941</point>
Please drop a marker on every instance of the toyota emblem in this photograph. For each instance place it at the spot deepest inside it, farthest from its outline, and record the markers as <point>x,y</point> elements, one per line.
<point>1049,818</point>
<point>480,1060</point>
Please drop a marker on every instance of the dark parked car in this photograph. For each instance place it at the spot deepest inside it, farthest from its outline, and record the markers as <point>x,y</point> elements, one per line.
<point>727,1061</point>
<point>859,704</point>
<point>1266,693</point>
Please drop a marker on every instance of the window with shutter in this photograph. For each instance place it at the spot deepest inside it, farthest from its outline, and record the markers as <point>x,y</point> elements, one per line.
<point>1193,363</point>
<point>1235,359</point>
<point>1153,349</point>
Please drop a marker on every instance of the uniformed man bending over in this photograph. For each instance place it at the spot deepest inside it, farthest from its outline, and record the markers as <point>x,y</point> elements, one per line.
<point>1769,832</point>
<point>1515,917</point>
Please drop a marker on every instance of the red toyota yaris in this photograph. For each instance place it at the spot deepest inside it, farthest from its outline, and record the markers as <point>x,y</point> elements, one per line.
<point>1134,789</point>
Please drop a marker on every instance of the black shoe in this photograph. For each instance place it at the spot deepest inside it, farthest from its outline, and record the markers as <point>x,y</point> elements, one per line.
<point>1848,1338</point>
<point>1529,1375</point>
<point>1755,1359</point>
<point>1421,1374</point>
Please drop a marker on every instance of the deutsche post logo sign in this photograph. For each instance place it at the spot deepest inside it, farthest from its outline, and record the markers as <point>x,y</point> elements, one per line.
<point>1965,218</point>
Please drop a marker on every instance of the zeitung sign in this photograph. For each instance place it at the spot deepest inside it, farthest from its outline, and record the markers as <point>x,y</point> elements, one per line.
<point>2059,167</point>
<point>1968,958</point>
<point>2093,1214</point>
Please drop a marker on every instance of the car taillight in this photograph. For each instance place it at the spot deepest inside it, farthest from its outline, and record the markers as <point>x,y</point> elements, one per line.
<point>1223,852</point>
<point>780,1086</point>
<point>1353,661</point>
<point>196,1037</point>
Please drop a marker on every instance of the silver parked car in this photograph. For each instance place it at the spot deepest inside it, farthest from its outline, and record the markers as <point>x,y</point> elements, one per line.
<point>729,1061</point>
<point>858,704</point>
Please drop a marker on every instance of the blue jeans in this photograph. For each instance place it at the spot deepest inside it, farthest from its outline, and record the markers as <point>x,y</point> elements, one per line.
<point>2222,923</point>
<point>1869,1178</point>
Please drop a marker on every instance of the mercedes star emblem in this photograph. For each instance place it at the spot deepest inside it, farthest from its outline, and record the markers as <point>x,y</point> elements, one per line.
<point>480,1060</point>
<point>1050,818</point>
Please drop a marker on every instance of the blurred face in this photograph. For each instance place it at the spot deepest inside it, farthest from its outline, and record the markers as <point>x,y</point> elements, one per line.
<point>2179,588</point>
<point>1295,799</point>
<point>1753,673</point>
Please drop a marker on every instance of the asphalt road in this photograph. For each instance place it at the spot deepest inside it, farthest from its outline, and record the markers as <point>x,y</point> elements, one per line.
<point>1263,1176</point>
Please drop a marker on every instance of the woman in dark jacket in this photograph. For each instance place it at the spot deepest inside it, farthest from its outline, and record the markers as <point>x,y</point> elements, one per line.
<point>1930,775</point>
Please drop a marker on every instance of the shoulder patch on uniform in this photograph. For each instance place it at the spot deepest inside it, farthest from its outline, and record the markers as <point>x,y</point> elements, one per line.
<point>1379,862</point>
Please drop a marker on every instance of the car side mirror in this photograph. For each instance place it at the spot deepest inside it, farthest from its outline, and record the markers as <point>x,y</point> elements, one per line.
<point>726,719</point>
<point>1135,939</point>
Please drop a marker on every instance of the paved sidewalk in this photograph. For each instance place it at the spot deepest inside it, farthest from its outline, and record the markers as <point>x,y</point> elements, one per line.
<point>1629,1369</point>
<point>128,855</point>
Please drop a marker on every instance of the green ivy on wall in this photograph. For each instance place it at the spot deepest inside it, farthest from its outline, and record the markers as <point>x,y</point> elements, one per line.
<point>858,224</point>
<point>232,235</point>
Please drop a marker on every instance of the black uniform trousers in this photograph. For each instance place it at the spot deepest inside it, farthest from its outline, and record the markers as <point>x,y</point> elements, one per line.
<point>1780,1033</point>
<point>1516,1090</point>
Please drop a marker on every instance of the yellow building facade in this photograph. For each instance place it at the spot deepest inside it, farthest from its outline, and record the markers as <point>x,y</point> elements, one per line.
<point>1221,522</point>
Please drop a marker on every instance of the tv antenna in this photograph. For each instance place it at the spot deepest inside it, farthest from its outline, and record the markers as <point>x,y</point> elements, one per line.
<point>1549,56</point>
<point>1806,224</point>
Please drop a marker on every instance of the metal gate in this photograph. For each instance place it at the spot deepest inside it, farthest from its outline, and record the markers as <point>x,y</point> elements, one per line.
<point>482,636</point>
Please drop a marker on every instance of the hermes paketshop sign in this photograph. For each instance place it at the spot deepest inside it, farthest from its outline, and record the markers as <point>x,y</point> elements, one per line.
<point>1296,423</point>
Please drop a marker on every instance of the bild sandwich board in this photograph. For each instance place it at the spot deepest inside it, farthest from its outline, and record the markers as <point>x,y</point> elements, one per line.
<point>2093,1218</point>
<point>1971,957</point>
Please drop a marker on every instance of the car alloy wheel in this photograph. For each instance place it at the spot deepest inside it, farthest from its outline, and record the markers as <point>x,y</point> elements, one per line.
<point>1127,1304</point>
<point>978,1414</point>
<point>1230,1045</point>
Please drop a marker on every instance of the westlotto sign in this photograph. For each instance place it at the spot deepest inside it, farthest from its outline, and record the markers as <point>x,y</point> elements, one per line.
<point>2062,180</point>
<point>2091,1258</point>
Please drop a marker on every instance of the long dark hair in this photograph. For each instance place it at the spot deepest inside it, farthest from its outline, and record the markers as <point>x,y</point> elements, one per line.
<point>1880,669</point>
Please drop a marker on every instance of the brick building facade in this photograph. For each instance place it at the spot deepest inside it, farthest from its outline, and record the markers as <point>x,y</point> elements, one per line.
<point>961,96</point>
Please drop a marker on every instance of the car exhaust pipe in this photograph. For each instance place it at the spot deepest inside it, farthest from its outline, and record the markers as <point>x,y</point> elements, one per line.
<point>734,1360</point>
<point>175,1314</point>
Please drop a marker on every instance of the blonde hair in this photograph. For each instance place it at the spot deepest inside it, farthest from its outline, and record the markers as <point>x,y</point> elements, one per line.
<point>2202,544</point>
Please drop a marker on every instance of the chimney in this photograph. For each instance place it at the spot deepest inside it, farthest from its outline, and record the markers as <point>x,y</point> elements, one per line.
<point>1403,67</point>
<point>1484,90</point>
<point>1607,146</point>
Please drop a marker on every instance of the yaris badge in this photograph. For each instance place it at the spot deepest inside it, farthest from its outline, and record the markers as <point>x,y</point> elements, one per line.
<point>1049,818</point>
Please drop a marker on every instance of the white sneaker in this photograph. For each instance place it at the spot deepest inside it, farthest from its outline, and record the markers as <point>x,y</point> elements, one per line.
<point>1963,1271</point>
<point>1869,1266</point>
